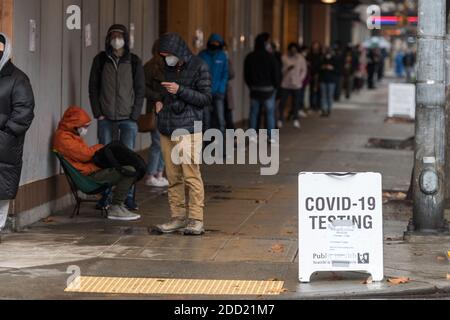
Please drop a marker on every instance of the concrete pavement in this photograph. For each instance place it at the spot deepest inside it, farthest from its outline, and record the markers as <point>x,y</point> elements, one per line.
<point>247,217</point>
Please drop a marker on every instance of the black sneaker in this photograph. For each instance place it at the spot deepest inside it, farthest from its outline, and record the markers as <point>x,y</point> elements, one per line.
<point>131,204</point>
<point>105,202</point>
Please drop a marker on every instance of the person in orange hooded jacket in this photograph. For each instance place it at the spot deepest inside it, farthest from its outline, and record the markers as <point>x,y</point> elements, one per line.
<point>69,142</point>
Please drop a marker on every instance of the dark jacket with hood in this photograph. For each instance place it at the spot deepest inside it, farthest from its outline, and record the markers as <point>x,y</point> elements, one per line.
<point>154,75</point>
<point>181,110</point>
<point>117,86</point>
<point>16,116</point>
<point>217,61</point>
<point>261,70</point>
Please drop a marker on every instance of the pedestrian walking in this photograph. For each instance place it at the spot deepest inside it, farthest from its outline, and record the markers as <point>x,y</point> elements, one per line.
<point>16,116</point>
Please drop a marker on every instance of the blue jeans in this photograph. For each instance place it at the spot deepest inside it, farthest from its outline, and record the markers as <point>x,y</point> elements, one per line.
<point>218,113</point>
<point>297,96</point>
<point>155,158</point>
<point>327,90</point>
<point>128,130</point>
<point>255,109</point>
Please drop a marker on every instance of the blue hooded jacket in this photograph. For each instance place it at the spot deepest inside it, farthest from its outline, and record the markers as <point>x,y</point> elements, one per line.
<point>217,61</point>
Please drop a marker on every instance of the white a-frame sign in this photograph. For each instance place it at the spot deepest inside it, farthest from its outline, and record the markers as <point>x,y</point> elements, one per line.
<point>340,223</point>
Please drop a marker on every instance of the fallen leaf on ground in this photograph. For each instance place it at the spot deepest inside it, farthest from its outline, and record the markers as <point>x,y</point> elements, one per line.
<point>277,248</point>
<point>273,279</point>
<point>448,254</point>
<point>400,280</point>
<point>48,220</point>
<point>441,258</point>
<point>448,276</point>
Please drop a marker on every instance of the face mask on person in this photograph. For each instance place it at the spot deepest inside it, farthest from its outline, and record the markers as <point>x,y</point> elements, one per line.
<point>215,47</point>
<point>172,61</point>
<point>83,132</point>
<point>118,43</point>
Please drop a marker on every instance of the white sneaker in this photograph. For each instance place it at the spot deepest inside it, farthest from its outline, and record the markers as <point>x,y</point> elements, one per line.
<point>280,124</point>
<point>156,183</point>
<point>297,124</point>
<point>164,183</point>
<point>302,114</point>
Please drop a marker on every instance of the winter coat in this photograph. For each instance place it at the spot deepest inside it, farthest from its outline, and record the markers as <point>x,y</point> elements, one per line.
<point>181,110</point>
<point>154,75</point>
<point>295,70</point>
<point>16,116</point>
<point>71,146</point>
<point>117,86</point>
<point>326,75</point>
<point>261,71</point>
<point>217,61</point>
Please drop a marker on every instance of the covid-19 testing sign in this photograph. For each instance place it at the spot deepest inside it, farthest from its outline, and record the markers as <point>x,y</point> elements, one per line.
<point>340,223</point>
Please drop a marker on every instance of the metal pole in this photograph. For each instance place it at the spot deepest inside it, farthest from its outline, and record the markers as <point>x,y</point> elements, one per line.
<point>429,171</point>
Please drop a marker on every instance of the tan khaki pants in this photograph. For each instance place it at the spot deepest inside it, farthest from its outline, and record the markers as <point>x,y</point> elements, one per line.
<point>186,174</point>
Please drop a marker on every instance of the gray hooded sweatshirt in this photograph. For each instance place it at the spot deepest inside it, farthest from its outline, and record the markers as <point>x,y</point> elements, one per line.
<point>7,52</point>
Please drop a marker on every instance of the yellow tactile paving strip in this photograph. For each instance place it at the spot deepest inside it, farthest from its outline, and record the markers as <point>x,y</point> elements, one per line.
<point>143,286</point>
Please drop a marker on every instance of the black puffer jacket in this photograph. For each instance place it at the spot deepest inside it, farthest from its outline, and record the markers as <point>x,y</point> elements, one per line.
<point>16,115</point>
<point>183,109</point>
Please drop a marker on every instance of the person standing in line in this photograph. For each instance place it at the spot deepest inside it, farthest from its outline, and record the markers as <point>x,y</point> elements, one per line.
<point>315,60</point>
<point>16,115</point>
<point>117,93</point>
<point>217,60</point>
<point>409,61</point>
<point>262,77</point>
<point>327,82</point>
<point>372,65</point>
<point>294,73</point>
<point>229,96</point>
<point>188,86</point>
<point>154,76</point>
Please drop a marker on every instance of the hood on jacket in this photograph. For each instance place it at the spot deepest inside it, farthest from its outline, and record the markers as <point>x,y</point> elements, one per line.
<point>7,50</point>
<point>126,36</point>
<point>216,38</point>
<point>173,43</point>
<point>261,40</point>
<point>74,118</point>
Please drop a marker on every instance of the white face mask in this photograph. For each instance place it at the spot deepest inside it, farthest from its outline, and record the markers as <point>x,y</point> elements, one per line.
<point>82,132</point>
<point>172,61</point>
<point>118,43</point>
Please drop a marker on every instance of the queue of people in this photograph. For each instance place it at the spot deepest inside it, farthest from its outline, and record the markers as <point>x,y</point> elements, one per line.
<point>326,73</point>
<point>181,89</point>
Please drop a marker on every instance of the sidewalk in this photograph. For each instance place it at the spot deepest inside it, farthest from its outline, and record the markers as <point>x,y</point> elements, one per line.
<point>247,217</point>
